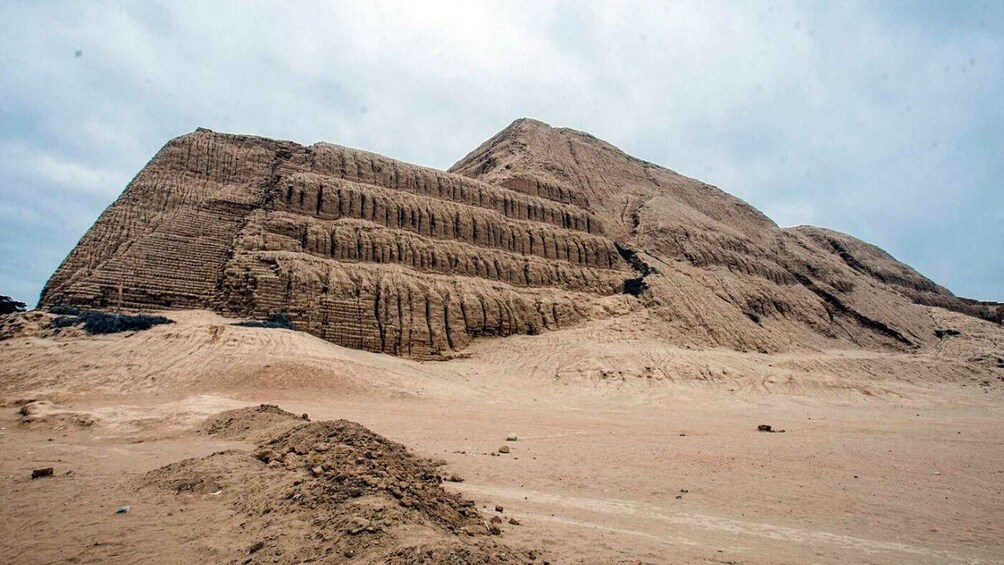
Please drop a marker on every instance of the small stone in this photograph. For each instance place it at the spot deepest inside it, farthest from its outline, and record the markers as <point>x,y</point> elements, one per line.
<point>358,525</point>
<point>498,508</point>
<point>763,428</point>
<point>495,531</point>
<point>256,547</point>
<point>504,449</point>
<point>305,417</point>
<point>317,471</point>
<point>514,521</point>
<point>123,509</point>
<point>511,437</point>
<point>43,472</point>
<point>495,520</point>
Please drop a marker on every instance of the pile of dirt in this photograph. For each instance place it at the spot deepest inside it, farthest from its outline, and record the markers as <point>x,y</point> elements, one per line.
<point>332,491</point>
<point>43,414</point>
<point>28,324</point>
<point>253,424</point>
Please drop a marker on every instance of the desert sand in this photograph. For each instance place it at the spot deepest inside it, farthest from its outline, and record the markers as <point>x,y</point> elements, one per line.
<point>629,449</point>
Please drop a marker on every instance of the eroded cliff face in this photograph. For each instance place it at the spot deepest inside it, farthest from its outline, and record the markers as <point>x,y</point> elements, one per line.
<point>536,229</point>
<point>361,250</point>
<point>713,270</point>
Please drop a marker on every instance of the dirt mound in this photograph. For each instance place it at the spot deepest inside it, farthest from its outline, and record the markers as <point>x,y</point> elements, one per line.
<point>331,491</point>
<point>33,324</point>
<point>43,414</point>
<point>254,423</point>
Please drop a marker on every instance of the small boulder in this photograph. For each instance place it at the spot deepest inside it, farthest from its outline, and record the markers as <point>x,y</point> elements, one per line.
<point>764,428</point>
<point>511,437</point>
<point>504,449</point>
<point>358,525</point>
<point>43,472</point>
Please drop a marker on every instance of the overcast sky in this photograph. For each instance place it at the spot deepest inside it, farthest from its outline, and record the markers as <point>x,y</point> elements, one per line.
<point>882,120</point>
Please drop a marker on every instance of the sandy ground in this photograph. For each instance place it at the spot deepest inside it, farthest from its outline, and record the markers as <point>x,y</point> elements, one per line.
<point>628,451</point>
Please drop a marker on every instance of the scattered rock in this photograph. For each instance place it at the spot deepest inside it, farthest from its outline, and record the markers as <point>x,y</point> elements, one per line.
<point>43,472</point>
<point>514,521</point>
<point>498,508</point>
<point>123,509</point>
<point>764,428</point>
<point>256,547</point>
<point>454,479</point>
<point>359,525</point>
<point>494,530</point>
<point>504,449</point>
<point>511,437</point>
<point>942,333</point>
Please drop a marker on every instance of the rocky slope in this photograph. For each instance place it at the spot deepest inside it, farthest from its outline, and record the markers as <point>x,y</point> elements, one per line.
<point>715,270</point>
<point>536,229</point>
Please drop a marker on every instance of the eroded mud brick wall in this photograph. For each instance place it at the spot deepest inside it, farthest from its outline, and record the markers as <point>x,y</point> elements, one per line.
<point>361,250</point>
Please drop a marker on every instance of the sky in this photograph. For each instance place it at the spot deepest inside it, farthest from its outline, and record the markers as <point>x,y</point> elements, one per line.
<point>884,120</point>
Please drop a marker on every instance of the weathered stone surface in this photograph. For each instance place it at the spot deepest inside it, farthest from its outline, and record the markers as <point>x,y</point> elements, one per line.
<point>359,249</point>
<point>714,270</point>
<point>536,229</point>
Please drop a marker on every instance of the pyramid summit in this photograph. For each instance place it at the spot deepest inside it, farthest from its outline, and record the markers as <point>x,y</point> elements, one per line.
<point>537,229</point>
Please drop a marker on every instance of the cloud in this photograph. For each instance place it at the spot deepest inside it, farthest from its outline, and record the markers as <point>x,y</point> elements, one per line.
<point>877,119</point>
<point>105,182</point>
